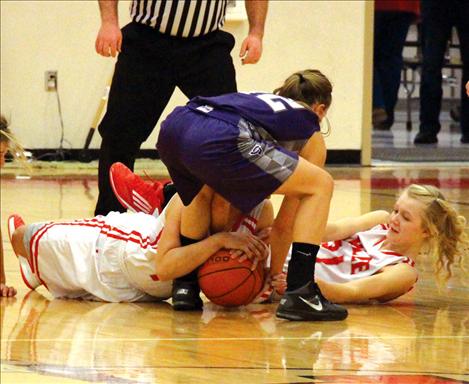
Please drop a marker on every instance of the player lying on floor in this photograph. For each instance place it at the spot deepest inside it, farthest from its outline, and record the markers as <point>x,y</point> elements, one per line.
<point>126,257</point>
<point>370,257</point>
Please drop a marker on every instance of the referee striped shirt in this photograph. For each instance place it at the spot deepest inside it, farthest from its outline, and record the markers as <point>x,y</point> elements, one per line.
<point>181,18</point>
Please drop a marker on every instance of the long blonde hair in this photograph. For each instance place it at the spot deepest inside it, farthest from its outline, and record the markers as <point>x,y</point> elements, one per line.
<point>447,241</point>
<point>14,147</point>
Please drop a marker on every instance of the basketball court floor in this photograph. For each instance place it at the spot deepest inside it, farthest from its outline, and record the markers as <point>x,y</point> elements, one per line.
<point>397,144</point>
<point>422,337</point>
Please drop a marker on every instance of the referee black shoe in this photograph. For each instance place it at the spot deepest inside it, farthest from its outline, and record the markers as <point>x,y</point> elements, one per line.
<point>308,304</point>
<point>186,296</point>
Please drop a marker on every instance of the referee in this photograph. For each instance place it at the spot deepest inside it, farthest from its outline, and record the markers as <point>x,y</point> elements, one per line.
<point>168,44</point>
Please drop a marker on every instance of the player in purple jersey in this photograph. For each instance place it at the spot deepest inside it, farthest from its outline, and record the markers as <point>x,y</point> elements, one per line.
<point>246,146</point>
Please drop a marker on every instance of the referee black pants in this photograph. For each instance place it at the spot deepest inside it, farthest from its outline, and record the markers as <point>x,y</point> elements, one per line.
<point>147,71</point>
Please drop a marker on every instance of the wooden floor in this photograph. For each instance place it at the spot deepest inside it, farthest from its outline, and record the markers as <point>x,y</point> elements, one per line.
<point>420,338</point>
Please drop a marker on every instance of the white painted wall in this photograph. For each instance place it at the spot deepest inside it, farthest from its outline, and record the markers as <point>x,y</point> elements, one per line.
<point>36,36</point>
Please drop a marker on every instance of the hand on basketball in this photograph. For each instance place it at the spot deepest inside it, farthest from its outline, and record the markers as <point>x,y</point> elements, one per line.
<point>245,246</point>
<point>264,234</point>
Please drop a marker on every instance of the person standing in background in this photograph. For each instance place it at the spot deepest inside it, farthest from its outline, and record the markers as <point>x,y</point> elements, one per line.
<point>438,19</point>
<point>167,44</point>
<point>392,21</point>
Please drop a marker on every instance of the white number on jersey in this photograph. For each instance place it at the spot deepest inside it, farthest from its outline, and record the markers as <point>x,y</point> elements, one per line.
<point>278,103</point>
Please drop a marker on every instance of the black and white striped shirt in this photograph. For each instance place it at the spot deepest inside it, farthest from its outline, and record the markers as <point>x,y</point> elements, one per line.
<point>182,18</point>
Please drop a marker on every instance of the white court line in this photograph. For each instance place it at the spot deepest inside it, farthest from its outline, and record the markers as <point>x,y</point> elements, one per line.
<point>422,164</point>
<point>243,338</point>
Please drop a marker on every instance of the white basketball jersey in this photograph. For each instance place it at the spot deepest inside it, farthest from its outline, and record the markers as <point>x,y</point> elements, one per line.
<point>139,259</point>
<point>93,258</point>
<point>354,258</point>
<point>248,223</point>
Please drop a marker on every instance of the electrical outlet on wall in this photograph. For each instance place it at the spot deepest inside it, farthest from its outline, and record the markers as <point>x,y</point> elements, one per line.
<point>51,81</point>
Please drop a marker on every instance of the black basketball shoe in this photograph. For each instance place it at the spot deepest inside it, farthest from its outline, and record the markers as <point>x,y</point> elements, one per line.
<point>186,296</point>
<point>308,304</point>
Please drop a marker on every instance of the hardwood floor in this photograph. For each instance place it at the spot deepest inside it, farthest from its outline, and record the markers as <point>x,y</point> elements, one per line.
<point>421,337</point>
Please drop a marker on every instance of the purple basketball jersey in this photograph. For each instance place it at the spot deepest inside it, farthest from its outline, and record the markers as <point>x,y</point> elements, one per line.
<point>244,146</point>
<point>283,118</point>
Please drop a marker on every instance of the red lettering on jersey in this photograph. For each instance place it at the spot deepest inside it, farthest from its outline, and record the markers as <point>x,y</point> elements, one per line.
<point>331,260</point>
<point>356,245</point>
<point>155,277</point>
<point>360,259</point>
<point>332,245</point>
<point>360,263</point>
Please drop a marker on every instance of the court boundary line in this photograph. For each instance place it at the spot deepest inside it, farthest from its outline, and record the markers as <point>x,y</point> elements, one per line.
<point>326,371</point>
<point>305,338</point>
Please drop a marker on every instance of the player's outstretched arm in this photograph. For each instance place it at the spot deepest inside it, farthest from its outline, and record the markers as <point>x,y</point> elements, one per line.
<point>392,282</point>
<point>344,228</point>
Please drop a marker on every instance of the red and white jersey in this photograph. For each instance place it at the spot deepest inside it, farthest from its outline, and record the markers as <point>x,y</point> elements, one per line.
<point>248,223</point>
<point>138,252</point>
<point>357,257</point>
<point>109,258</point>
<point>95,258</point>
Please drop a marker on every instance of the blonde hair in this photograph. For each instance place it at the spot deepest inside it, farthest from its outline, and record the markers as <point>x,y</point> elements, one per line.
<point>308,87</point>
<point>447,241</point>
<point>4,131</point>
<point>14,147</point>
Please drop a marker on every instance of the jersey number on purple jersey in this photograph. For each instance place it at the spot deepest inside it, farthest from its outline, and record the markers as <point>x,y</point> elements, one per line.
<point>278,103</point>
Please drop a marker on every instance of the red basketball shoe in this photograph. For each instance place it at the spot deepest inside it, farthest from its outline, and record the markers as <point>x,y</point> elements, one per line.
<point>30,279</point>
<point>134,193</point>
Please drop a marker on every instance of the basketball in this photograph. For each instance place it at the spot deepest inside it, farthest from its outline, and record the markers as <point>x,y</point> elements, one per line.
<point>227,282</point>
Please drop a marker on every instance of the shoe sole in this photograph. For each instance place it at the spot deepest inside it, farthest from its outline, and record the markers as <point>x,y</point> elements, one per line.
<point>309,316</point>
<point>28,278</point>
<point>186,306</point>
<point>25,267</point>
<point>11,227</point>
